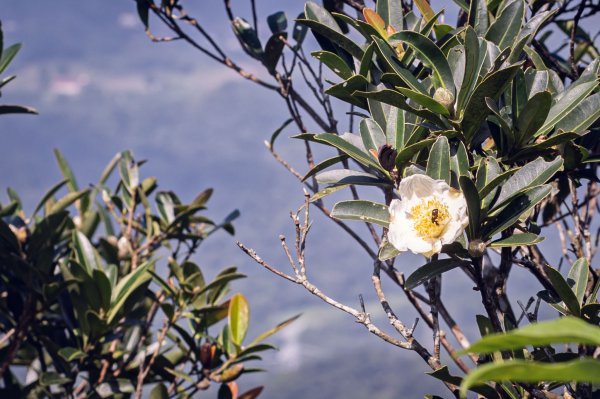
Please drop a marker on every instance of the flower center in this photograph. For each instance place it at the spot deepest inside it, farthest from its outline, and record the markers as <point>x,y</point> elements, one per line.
<point>430,217</point>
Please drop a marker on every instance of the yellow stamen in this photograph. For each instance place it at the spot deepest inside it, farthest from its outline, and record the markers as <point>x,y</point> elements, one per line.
<point>430,217</point>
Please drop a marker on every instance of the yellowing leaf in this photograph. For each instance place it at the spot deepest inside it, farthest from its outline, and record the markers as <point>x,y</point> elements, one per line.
<point>425,9</point>
<point>375,21</point>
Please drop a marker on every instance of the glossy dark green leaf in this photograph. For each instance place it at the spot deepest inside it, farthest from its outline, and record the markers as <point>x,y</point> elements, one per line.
<point>563,290</point>
<point>534,173</point>
<point>349,149</point>
<point>239,315</point>
<point>248,38</point>
<point>582,117</point>
<point>533,115</point>
<point>431,56</point>
<point>324,165</point>
<point>277,22</point>
<point>345,177</point>
<point>391,12</point>
<point>366,211</point>
<point>517,240</point>
<point>578,278</point>
<point>48,195</point>
<point>432,269</point>
<point>459,160</point>
<point>16,109</point>
<point>581,370</point>
<point>103,286</point>
<point>425,101</point>
<point>388,55</point>
<point>395,129</point>
<point>372,134</point>
<point>473,205</point>
<point>8,54</point>
<point>478,16</point>
<point>571,99</point>
<point>85,253</point>
<point>335,63</point>
<point>408,152</point>
<point>492,86</point>
<point>518,206</point>
<point>273,50</point>
<point>299,30</point>
<point>471,69</point>
<point>505,29</point>
<point>125,287</point>
<point>438,163</point>
<point>396,99</point>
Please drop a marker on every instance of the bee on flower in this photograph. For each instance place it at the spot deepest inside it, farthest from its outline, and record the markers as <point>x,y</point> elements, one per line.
<point>428,215</point>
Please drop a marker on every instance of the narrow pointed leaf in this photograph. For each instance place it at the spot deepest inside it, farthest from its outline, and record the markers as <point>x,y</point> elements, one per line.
<point>516,240</point>
<point>432,269</point>
<point>438,164</point>
<point>578,278</point>
<point>366,211</point>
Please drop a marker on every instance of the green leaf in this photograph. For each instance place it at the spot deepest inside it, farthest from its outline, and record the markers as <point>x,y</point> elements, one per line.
<point>408,152</point>
<point>581,370</point>
<point>438,164</point>
<point>68,200</point>
<point>299,30</point>
<point>143,8</point>
<point>391,13</point>
<point>349,149</point>
<point>473,206</point>
<point>390,59</point>
<point>103,286</point>
<point>569,100</point>
<point>516,240</point>
<point>8,55</point>
<point>432,269</point>
<point>492,86</point>
<point>578,278</point>
<point>239,313</point>
<point>459,160</point>
<point>425,101</point>
<point>396,99</point>
<point>431,56</point>
<point>109,389</point>
<point>583,116</point>
<point>345,177</point>
<point>534,173</point>
<point>335,63</point>
<point>274,330</point>
<point>85,253</point>
<point>478,16</point>
<point>563,290</point>
<point>277,22</point>
<point>159,392</point>
<point>51,378</point>
<point>324,165</point>
<point>70,354</point>
<point>372,134</point>
<point>16,109</point>
<point>472,67</point>
<point>125,288</point>
<point>277,132</point>
<point>248,38</point>
<point>518,206</point>
<point>507,25</point>
<point>273,50</point>
<point>48,195</point>
<point>387,251</point>
<point>395,130</point>
<point>366,211</point>
<point>564,330</point>
<point>533,115</point>
<point>67,172</point>
<point>326,191</point>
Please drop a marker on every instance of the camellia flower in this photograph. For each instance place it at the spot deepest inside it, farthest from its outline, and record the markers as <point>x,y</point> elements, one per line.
<point>428,215</point>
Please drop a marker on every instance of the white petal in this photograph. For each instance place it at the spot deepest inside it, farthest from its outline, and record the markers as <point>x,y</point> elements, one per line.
<point>418,245</point>
<point>399,227</point>
<point>453,230</point>
<point>419,186</point>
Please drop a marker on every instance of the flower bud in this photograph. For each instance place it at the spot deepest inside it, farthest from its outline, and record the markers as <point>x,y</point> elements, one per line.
<point>207,351</point>
<point>387,157</point>
<point>476,248</point>
<point>124,248</point>
<point>444,97</point>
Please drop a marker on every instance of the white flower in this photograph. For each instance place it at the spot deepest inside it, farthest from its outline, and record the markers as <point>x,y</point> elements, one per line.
<point>428,215</point>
